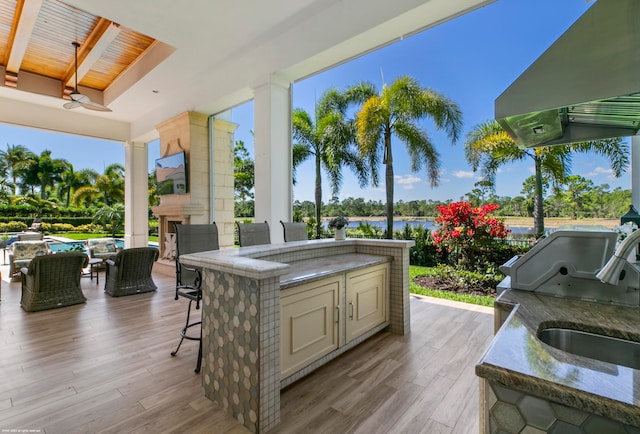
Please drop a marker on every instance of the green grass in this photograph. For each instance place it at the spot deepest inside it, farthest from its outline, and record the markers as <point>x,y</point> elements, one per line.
<point>81,237</point>
<point>417,271</point>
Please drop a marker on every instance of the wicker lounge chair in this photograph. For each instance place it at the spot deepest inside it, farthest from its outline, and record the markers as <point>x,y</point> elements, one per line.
<point>129,272</point>
<point>253,234</point>
<point>102,248</point>
<point>192,239</point>
<point>294,231</point>
<point>53,281</point>
<point>21,253</point>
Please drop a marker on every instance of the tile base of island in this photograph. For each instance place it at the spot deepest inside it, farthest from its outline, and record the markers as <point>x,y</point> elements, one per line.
<point>342,292</point>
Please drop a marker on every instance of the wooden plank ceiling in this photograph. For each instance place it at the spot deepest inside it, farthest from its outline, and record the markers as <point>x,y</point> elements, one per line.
<point>36,37</point>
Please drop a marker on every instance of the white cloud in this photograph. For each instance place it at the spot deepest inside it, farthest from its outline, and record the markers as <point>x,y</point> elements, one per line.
<point>407,181</point>
<point>608,172</point>
<point>464,174</point>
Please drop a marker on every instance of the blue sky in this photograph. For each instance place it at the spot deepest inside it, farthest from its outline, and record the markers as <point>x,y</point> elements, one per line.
<point>471,59</point>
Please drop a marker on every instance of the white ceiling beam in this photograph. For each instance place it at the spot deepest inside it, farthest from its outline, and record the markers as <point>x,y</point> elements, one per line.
<point>111,31</point>
<point>23,29</point>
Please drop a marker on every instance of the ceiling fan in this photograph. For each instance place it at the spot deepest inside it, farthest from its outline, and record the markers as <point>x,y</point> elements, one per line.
<point>78,99</point>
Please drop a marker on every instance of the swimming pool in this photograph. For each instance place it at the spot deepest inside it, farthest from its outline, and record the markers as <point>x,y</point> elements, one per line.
<point>60,246</point>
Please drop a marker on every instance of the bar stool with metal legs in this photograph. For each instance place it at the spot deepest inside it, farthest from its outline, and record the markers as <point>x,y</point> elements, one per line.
<point>192,239</point>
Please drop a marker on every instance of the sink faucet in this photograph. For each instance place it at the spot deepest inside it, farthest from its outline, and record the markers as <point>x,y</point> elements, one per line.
<point>610,273</point>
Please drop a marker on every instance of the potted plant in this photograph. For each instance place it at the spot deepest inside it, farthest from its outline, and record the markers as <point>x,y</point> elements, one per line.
<point>338,223</point>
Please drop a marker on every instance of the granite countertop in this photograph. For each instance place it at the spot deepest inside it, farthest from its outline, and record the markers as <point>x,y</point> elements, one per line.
<point>254,262</point>
<point>518,359</point>
<point>308,270</point>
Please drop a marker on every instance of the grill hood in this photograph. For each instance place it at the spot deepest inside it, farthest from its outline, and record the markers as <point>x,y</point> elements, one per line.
<point>586,86</point>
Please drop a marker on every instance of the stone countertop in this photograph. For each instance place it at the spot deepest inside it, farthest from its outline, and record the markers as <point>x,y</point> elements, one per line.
<point>253,262</point>
<point>308,270</point>
<point>516,358</point>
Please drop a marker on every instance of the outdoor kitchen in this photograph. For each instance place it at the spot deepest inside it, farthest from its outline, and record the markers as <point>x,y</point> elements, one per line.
<point>565,357</point>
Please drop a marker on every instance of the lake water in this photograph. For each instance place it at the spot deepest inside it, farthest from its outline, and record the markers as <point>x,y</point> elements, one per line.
<point>398,225</point>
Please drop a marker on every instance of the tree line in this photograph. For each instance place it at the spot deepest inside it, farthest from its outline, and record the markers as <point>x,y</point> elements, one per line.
<point>44,181</point>
<point>577,198</point>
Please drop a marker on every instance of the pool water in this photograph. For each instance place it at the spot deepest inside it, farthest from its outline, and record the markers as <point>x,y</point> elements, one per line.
<point>59,246</point>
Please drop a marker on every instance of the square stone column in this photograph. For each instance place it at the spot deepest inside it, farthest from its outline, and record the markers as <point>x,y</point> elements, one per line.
<point>273,155</point>
<point>136,197</point>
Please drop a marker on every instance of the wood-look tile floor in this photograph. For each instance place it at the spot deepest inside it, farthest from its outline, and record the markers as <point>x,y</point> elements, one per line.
<point>104,366</point>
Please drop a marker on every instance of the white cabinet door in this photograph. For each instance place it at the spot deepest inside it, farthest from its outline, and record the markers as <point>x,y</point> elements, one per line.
<point>367,293</point>
<point>309,323</point>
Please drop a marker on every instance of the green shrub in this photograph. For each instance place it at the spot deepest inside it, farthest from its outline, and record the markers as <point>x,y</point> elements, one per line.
<point>13,226</point>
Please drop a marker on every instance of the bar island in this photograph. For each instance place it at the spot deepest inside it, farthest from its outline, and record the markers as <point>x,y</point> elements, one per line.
<point>273,313</point>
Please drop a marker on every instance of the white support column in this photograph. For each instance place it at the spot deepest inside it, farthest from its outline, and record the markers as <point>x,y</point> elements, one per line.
<point>136,195</point>
<point>273,157</point>
<point>635,172</point>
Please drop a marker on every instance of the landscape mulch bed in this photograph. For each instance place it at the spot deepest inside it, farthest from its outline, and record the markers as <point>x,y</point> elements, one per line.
<point>453,285</point>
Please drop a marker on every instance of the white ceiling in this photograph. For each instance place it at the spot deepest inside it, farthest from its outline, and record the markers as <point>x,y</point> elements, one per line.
<point>224,49</point>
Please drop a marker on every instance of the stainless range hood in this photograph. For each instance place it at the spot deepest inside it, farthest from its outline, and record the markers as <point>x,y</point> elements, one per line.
<point>586,86</point>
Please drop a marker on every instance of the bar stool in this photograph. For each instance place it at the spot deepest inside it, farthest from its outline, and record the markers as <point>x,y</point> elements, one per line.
<point>253,234</point>
<point>192,239</point>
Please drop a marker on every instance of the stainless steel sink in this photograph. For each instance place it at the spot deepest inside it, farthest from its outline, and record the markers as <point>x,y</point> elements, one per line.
<point>604,348</point>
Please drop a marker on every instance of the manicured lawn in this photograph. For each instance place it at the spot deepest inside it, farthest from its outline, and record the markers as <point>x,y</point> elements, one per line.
<point>81,237</point>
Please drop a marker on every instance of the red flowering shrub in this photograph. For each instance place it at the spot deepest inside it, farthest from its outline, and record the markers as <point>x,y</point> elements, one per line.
<point>468,233</point>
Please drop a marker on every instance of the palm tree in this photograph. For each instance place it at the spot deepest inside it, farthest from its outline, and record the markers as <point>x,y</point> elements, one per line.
<point>108,188</point>
<point>328,140</point>
<point>488,147</point>
<point>396,111</point>
<point>71,180</point>
<point>43,171</point>
<point>15,160</point>
<point>110,217</point>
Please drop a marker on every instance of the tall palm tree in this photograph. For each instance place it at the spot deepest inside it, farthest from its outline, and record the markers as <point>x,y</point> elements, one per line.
<point>108,188</point>
<point>330,142</point>
<point>71,180</point>
<point>396,111</point>
<point>43,171</point>
<point>488,146</point>
<point>15,160</point>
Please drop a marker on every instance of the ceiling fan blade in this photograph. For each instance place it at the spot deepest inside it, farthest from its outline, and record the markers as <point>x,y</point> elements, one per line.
<point>94,106</point>
<point>71,105</point>
<point>78,97</point>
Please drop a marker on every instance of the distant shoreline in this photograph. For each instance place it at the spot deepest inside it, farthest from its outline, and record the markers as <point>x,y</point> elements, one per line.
<point>549,222</point>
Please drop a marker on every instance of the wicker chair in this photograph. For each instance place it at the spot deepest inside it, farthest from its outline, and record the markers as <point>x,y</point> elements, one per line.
<point>21,253</point>
<point>294,231</point>
<point>129,272</point>
<point>53,281</point>
<point>102,248</point>
<point>192,239</point>
<point>253,234</point>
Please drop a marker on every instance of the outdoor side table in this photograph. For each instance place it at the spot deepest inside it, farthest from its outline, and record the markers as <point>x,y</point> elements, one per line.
<point>94,263</point>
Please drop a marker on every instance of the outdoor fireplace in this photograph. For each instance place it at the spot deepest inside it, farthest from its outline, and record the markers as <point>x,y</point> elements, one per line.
<point>168,216</point>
